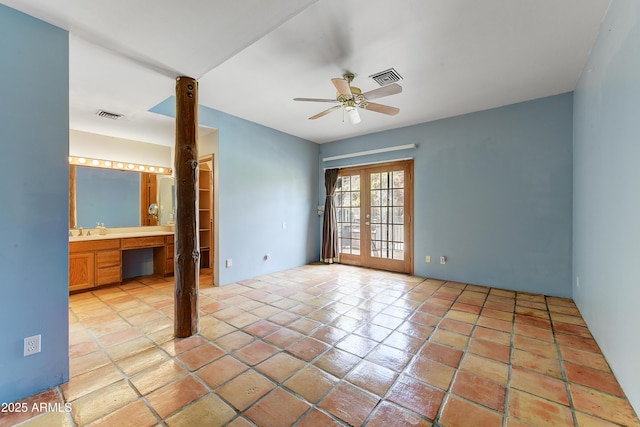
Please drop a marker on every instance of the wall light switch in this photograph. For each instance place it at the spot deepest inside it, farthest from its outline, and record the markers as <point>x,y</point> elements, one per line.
<point>229,263</point>
<point>427,258</point>
<point>443,260</point>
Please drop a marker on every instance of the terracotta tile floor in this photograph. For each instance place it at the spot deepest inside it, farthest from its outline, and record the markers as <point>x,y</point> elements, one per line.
<point>333,346</point>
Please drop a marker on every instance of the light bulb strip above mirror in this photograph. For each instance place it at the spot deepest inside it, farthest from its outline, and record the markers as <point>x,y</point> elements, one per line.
<point>114,164</point>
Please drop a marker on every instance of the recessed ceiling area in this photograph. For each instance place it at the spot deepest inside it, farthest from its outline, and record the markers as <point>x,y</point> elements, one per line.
<point>253,57</point>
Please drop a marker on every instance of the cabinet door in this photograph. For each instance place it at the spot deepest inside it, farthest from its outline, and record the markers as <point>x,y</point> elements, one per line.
<point>81,271</point>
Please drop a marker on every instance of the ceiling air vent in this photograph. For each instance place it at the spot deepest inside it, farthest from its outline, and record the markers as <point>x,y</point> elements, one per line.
<point>387,76</point>
<point>108,115</point>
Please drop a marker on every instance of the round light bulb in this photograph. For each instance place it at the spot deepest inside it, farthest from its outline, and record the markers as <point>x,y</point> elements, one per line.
<point>82,160</point>
<point>130,166</point>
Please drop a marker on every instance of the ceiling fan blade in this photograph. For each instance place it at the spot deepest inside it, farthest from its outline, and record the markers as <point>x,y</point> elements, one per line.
<point>314,100</point>
<point>384,109</point>
<point>342,86</point>
<point>391,89</point>
<point>325,112</point>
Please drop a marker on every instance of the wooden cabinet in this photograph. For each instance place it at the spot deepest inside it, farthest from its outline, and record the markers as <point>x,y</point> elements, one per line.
<point>93,263</point>
<point>99,262</point>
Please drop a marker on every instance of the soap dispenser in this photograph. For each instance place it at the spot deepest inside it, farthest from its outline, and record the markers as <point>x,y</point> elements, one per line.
<point>100,228</point>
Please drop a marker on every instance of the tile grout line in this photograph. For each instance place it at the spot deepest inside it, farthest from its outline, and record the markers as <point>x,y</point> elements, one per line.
<point>117,366</point>
<point>342,379</point>
<point>413,357</point>
<point>300,286</point>
<point>280,384</point>
<point>563,371</point>
<point>512,338</point>
<point>157,345</point>
<point>449,391</point>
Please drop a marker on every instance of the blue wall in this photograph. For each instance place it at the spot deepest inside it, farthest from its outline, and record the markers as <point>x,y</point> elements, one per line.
<point>34,220</point>
<point>266,178</point>
<point>606,220</point>
<point>492,193</point>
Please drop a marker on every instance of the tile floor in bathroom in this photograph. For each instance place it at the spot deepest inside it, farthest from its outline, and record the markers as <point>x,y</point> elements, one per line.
<point>332,345</point>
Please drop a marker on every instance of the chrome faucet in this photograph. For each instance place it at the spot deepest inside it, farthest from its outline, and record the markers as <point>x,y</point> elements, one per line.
<point>80,233</point>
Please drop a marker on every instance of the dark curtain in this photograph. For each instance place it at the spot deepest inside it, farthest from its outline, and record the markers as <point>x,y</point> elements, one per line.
<point>329,252</point>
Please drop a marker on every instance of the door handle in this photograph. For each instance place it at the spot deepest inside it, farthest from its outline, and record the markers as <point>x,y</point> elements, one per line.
<point>367,223</point>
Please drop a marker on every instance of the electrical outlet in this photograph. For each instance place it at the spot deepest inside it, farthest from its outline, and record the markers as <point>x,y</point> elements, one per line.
<point>266,257</point>
<point>32,345</point>
<point>427,258</point>
<point>229,263</point>
<point>443,260</point>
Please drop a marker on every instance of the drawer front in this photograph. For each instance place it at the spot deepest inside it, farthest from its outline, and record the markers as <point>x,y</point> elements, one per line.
<point>108,275</point>
<point>142,242</point>
<point>108,259</point>
<point>169,239</point>
<point>94,245</point>
<point>170,250</point>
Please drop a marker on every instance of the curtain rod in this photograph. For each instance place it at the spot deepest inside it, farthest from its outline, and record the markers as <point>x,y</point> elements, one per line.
<point>365,153</point>
<point>370,163</point>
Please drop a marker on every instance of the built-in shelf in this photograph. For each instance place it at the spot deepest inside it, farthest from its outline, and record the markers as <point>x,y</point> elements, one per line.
<point>205,211</point>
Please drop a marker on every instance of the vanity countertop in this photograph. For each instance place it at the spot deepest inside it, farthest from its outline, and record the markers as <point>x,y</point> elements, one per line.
<point>121,233</point>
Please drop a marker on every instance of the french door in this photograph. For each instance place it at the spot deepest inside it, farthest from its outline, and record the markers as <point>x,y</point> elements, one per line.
<point>374,211</point>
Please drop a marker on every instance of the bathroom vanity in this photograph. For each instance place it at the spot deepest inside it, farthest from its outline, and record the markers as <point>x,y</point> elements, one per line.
<point>137,205</point>
<point>96,260</point>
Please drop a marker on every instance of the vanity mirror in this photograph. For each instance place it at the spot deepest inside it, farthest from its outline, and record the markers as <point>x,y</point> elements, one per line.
<point>119,197</point>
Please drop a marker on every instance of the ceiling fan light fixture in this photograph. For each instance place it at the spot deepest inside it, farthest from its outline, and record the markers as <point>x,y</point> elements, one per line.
<point>352,114</point>
<point>350,98</point>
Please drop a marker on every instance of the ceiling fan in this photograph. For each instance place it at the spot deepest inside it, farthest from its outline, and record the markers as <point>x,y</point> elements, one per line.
<point>350,97</point>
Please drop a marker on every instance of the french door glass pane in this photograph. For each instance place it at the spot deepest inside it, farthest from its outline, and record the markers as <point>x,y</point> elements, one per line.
<point>387,215</point>
<point>348,214</point>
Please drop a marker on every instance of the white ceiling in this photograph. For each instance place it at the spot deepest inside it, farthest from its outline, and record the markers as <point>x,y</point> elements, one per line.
<point>252,57</point>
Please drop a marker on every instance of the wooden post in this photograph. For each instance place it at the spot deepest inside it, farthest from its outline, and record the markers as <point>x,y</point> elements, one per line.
<point>187,256</point>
